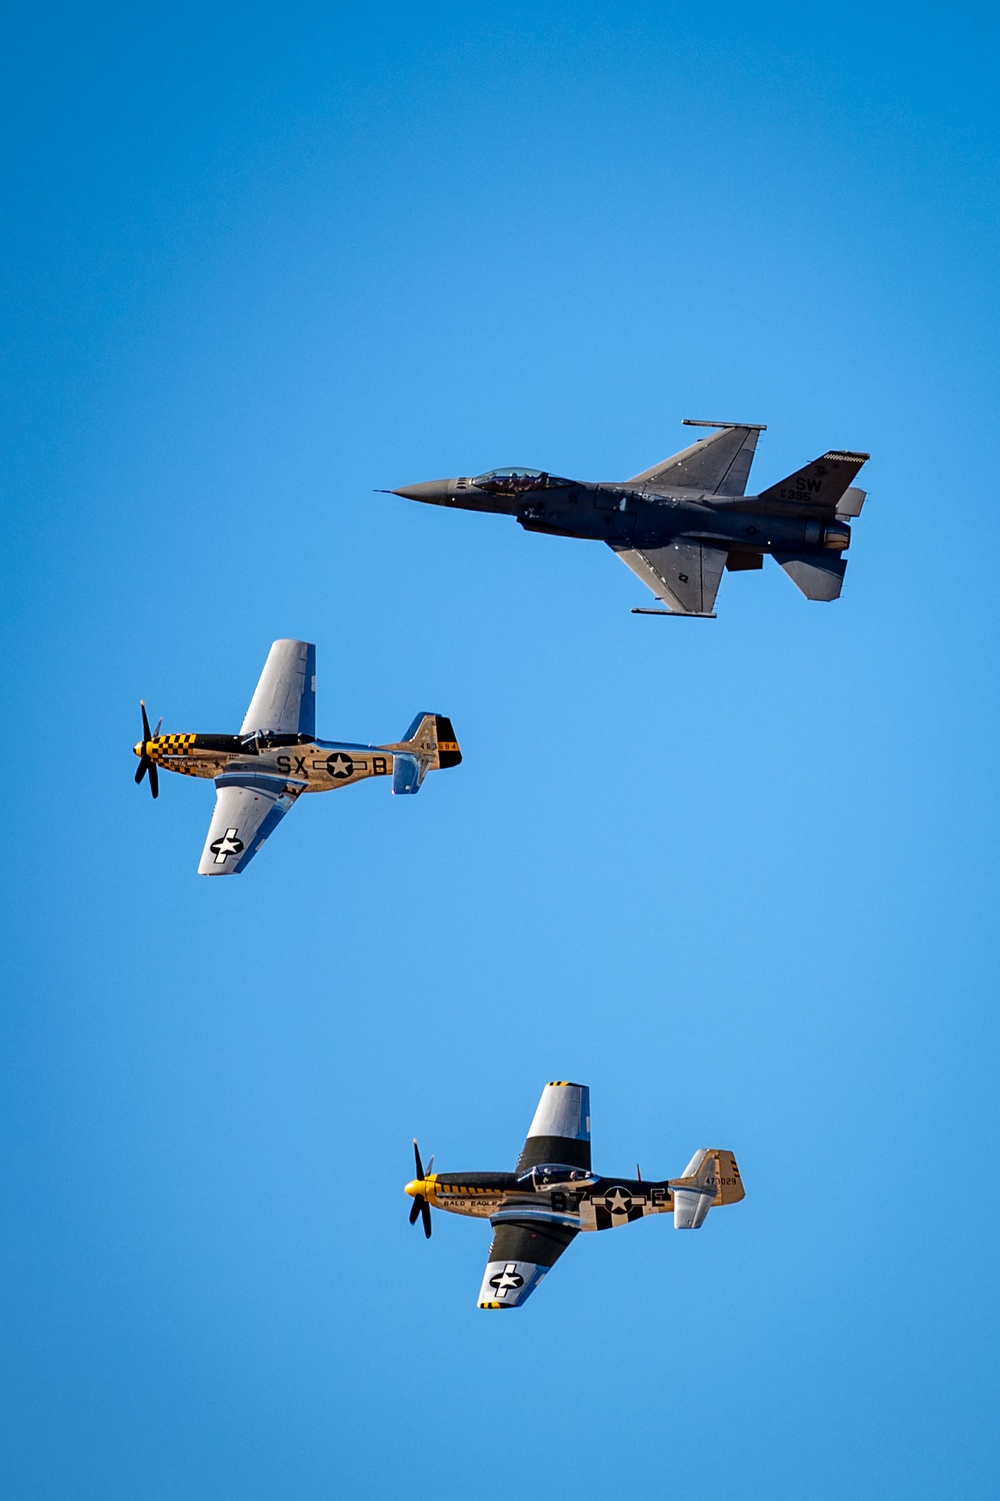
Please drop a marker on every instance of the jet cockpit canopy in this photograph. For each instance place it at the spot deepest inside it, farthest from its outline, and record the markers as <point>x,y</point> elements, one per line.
<point>511,481</point>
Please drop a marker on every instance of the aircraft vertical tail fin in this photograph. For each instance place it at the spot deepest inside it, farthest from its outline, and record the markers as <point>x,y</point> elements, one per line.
<point>710,1178</point>
<point>817,488</point>
<point>729,1184</point>
<point>429,745</point>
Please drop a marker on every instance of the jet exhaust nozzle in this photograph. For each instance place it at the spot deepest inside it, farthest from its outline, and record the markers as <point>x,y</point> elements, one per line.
<point>818,535</point>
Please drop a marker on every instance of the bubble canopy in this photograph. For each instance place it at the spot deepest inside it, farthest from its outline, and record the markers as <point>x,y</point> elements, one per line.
<point>554,1175</point>
<point>515,481</point>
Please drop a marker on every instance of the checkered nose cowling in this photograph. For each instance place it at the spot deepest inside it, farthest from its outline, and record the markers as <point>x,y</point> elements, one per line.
<point>163,747</point>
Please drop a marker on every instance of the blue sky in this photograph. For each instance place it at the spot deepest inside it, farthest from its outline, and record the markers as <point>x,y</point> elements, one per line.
<point>737,876</point>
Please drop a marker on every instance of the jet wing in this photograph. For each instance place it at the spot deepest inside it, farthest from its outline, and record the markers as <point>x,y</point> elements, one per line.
<point>684,575</point>
<point>520,1257</point>
<point>560,1128</point>
<point>719,465</point>
<point>284,700</point>
<point>248,807</point>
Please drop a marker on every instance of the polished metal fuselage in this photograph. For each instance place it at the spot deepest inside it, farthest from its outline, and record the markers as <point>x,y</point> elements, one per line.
<point>312,765</point>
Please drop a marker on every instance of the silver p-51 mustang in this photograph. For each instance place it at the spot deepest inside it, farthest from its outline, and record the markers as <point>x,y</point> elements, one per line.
<point>260,772</point>
<point>552,1194</point>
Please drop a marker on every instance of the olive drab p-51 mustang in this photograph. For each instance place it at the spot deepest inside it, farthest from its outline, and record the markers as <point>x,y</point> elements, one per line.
<point>260,772</point>
<point>679,524</point>
<point>552,1194</point>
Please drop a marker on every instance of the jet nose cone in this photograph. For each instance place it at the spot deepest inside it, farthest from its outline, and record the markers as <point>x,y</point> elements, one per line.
<point>414,1189</point>
<point>434,491</point>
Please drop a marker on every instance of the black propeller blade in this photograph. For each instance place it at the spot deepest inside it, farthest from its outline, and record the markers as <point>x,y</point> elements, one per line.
<point>145,764</point>
<point>420,1204</point>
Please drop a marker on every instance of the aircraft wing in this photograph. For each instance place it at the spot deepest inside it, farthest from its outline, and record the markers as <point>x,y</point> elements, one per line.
<point>719,465</point>
<point>284,700</point>
<point>684,575</point>
<point>520,1257</point>
<point>560,1128</point>
<point>248,807</point>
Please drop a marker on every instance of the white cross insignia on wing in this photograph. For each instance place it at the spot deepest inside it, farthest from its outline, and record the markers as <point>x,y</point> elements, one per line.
<point>226,846</point>
<point>504,1281</point>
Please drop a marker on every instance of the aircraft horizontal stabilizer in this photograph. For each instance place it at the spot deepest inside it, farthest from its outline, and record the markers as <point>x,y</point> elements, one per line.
<point>407,772</point>
<point>818,576</point>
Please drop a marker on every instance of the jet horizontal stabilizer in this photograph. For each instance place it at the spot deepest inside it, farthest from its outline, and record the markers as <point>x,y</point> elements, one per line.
<point>818,576</point>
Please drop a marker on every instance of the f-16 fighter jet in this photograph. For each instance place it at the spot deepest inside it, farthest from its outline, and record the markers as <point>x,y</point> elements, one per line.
<point>260,772</point>
<point>679,524</point>
<point>538,1209</point>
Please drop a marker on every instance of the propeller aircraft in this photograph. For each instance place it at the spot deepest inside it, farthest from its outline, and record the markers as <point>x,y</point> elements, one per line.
<point>681,523</point>
<point>260,772</point>
<point>552,1194</point>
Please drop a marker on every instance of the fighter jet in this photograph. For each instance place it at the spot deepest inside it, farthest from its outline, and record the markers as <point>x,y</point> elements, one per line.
<point>679,524</point>
<point>552,1194</point>
<point>260,772</point>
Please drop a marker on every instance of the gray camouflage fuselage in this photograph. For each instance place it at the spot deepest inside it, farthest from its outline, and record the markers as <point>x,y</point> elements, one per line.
<point>611,511</point>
